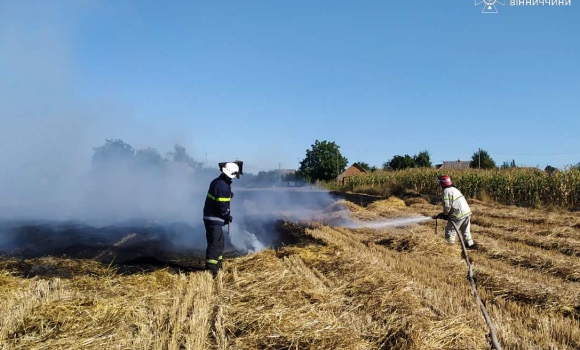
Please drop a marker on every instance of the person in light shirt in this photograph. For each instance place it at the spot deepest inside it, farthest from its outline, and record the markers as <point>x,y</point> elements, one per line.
<point>456,211</point>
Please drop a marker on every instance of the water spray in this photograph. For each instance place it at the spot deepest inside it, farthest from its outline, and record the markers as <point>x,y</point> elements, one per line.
<point>387,223</point>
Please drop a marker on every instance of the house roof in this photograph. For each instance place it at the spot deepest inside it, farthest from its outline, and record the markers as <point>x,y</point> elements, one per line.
<point>349,170</point>
<point>455,164</point>
<point>357,166</point>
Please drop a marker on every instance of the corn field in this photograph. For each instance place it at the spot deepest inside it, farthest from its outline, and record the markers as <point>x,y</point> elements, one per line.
<point>524,187</point>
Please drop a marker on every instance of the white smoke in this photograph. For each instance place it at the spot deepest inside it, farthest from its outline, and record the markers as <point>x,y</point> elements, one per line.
<point>256,210</point>
<point>260,207</point>
<point>245,241</point>
<point>48,131</point>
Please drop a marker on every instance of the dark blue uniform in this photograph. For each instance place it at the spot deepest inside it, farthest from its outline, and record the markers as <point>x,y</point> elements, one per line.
<point>216,214</point>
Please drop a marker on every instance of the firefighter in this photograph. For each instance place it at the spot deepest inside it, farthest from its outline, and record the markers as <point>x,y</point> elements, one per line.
<point>456,211</point>
<point>216,214</point>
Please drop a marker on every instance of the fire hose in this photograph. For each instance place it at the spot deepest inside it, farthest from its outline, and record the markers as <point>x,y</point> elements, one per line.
<point>492,332</point>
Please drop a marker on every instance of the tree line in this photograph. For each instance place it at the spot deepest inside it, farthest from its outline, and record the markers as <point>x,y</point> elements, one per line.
<point>324,162</point>
<point>117,153</point>
<point>119,156</point>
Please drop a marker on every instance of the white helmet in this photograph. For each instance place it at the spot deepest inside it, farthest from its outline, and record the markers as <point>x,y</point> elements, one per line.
<point>231,170</point>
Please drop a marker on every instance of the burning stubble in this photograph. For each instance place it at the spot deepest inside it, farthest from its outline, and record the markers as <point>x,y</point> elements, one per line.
<point>49,130</point>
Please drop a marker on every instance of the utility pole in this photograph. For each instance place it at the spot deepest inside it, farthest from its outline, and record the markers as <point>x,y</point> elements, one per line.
<point>280,172</point>
<point>337,165</point>
<point>206,159</point>
<point>479,154</point>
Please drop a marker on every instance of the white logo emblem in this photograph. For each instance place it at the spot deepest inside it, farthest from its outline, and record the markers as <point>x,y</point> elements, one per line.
<point>489,5</point>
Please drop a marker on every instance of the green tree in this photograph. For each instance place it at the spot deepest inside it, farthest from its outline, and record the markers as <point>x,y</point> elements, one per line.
<point>148,157</point>
<point>401,162</point>
<point>267,178</point>
<point>481,159</point>
<point>366,166</point>
<point>289,177</point>
<point>322,162</point>
<point>422,160</point>
<point>113,152</point>
<point>180,155</point>
<point>550,169</point>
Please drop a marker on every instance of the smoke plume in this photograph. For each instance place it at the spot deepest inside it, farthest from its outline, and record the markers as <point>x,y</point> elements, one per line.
<point>49,132</point>
<point>49,171</point>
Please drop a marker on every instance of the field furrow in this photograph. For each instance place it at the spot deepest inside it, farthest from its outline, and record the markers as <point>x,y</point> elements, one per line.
<point>420,316</point>
<point>329,287</point>
<point>285,307</point>
<point>540,260</point>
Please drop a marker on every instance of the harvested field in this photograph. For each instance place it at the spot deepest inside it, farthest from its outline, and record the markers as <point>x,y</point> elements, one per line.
<point>320,286</point>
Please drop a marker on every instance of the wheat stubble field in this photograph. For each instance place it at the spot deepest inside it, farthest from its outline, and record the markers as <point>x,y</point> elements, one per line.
<point>337,288</point>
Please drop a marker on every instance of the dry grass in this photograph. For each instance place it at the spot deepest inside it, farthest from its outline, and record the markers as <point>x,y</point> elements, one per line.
<point>388,206</point>
<point>345,209</point>
<point>393,288</point>
<point>146,311</point>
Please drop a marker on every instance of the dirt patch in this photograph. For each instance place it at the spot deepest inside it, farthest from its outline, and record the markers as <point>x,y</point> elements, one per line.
<point>403,244</point>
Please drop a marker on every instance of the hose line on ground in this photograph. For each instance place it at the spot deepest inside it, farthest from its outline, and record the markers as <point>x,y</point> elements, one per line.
<point>492,332</point>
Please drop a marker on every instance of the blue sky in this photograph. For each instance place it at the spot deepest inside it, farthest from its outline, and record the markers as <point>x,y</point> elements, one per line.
<point>262,80</point>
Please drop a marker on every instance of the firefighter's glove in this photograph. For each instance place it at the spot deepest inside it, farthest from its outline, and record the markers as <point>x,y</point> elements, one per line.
<point>232,196</point>
<point>228,219</point>
<point>441,216</point>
